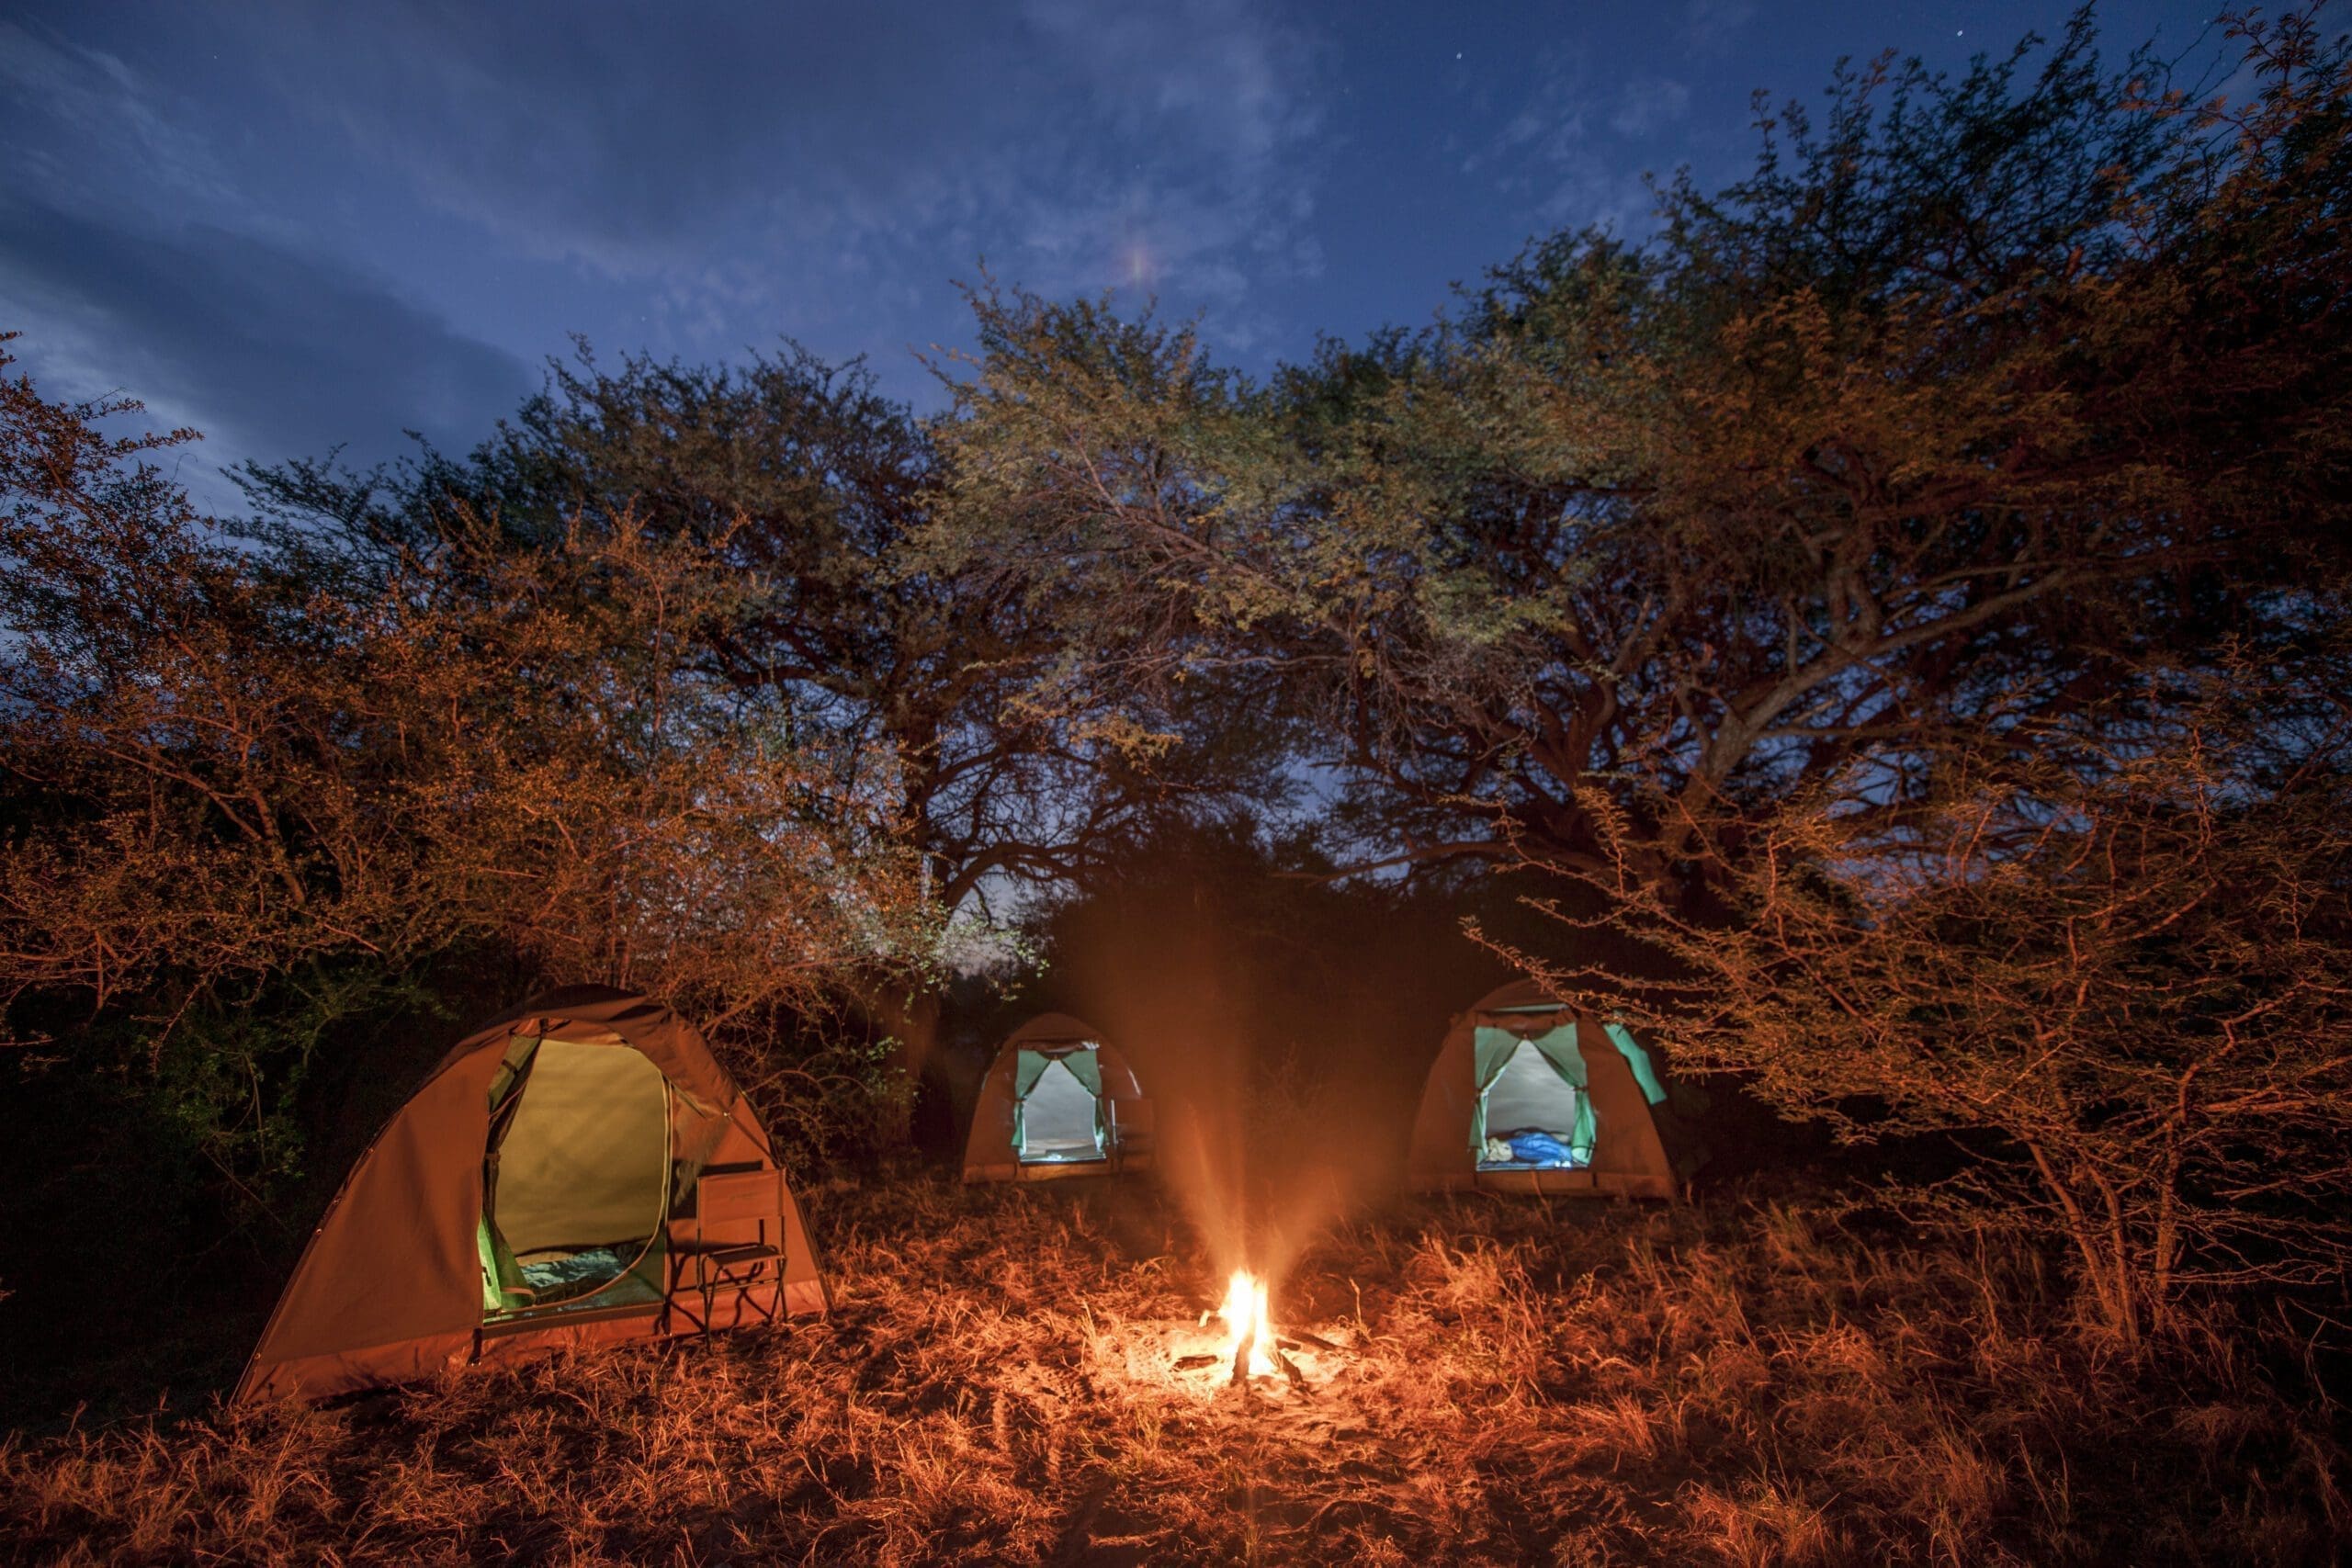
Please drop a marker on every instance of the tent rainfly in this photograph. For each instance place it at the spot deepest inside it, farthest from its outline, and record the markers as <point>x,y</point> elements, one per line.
<point>1526,1096</point>
<point>1058,1101</point>
<point>577,1171</point>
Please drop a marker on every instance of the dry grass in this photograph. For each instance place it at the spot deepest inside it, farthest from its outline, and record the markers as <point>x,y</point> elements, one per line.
<point>1740,1383</point>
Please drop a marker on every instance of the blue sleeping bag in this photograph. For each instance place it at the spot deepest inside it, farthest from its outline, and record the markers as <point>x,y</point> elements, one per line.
<point>1541,1148</point>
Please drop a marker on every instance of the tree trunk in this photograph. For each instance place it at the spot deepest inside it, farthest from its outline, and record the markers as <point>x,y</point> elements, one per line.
<point>909,1018</point>
<point>2106,1284</point>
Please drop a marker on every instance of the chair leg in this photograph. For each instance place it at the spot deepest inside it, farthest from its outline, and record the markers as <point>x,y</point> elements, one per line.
<point>674,1300</point>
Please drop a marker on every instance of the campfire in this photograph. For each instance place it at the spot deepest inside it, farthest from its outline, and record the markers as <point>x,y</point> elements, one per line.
<point>1247,1346</point>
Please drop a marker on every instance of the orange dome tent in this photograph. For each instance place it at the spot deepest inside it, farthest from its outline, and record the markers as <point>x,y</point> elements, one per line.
<point>1058,1101</point>
<point>578,1170</point>
<point>1527,1095</point>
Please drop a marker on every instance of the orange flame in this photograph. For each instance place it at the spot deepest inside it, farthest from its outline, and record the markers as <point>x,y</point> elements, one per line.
<point>1244,1313</point>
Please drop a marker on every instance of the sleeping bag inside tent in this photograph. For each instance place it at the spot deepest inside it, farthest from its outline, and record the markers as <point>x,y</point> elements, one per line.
<point>1058,1101</point>
<point>576,1171</point>
<point>1525,1096</point>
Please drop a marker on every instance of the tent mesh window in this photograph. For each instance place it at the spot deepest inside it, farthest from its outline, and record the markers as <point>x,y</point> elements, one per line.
<point>1057,1111</point>
<point>576,1179</point>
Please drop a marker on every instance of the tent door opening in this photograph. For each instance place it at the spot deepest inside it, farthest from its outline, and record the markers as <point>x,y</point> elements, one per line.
<point>1535,1117</point>
<point>576,1179</point>
<point>1059,1120</point>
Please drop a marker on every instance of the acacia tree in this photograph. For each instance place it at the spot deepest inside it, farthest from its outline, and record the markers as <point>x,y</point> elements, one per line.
<point>230,772</point>
<point>2098,906</point>
<point>920,684</point>
<point>1989,381</point>
<point>2122,943</point>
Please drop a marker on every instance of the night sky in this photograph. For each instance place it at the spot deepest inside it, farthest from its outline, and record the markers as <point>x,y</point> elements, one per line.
<point>305,226</point>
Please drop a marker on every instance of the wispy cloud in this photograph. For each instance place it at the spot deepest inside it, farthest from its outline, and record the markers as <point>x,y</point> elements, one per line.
<point>345,173</point>
<point>136,262</point>
<point>66,108</point>
<point>1713,26</point>
<point>1078,147</point>
<point>1648,104</point>
<point>1208,180</point>
<point>270,351</point>
<point>1552,154</point>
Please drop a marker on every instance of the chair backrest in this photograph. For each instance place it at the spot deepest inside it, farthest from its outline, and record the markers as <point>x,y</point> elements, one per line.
<point>735,1195</point>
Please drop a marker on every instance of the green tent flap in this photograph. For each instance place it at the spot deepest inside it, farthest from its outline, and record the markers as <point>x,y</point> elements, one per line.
<point>1492,1050</point>
<point>503,1288</point>
<point>1644,1070</point>
<point>1028,1066</point>
<point>511,1067</point>
<point>1083,1067</point>
<point>1559,1048</point>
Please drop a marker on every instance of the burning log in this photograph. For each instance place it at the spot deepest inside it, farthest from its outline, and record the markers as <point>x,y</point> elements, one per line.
<point>1251,1347</point>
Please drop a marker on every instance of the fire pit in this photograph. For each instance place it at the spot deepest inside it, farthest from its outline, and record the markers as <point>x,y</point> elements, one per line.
<point>1236,1344</point>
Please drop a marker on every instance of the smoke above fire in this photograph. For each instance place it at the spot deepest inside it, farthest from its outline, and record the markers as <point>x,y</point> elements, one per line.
<point>1277,1114</point>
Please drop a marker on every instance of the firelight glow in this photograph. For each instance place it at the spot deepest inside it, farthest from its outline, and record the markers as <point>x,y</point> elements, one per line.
<point>1244,1313</point>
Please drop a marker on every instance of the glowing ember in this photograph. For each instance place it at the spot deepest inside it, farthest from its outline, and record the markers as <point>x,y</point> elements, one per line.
<point>1244,1313</point>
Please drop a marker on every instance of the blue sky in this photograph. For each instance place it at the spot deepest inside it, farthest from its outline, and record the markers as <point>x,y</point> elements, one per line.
<point>303,226</point>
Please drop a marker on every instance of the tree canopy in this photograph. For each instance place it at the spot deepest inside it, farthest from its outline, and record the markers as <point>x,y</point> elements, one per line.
<point>1896,600</point>
<point>1977,388</point>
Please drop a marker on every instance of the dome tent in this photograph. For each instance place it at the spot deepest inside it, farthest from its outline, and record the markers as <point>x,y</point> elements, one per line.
<point>576,1171</point>
<point>1058,1101</point>
<point>1526,1096</point>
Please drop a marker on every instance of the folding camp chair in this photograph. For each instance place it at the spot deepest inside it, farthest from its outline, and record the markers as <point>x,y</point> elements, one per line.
<point>726,1199</point>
